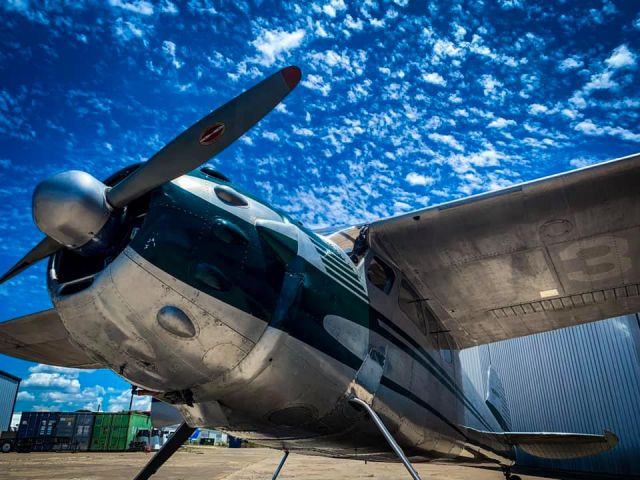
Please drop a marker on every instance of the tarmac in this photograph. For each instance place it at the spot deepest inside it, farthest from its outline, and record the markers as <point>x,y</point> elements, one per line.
<point>211,463</point>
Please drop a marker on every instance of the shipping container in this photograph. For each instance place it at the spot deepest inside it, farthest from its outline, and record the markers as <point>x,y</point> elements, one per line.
<point>84,430</point>
<point>73,431</point>
<point>101,432</point>
<point>36,431</point>
<point>116,431</point>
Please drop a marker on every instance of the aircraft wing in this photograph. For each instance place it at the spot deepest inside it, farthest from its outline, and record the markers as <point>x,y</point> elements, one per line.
<point>42,337</point>
<point>539,256</point>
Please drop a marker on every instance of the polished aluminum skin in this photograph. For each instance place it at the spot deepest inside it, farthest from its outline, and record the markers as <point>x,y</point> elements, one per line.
<point>71,207</point>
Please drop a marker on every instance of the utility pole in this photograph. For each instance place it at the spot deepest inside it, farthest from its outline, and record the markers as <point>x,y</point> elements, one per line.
<point>133,392</point>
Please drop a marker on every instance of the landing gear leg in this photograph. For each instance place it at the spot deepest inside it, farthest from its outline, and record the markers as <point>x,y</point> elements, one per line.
<point>176,440</point>
<point>280,465</point>
<point>507,474</point>
<point>388,437</point>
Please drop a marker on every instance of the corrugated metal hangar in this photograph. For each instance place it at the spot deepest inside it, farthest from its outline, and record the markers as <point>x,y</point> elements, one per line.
<point>579,379</point>
<point>9,385</point>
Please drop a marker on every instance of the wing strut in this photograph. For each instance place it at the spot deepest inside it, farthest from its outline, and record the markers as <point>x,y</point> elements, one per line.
<point>176,440</point>
<point>387,435</point>
<point>280,465</point>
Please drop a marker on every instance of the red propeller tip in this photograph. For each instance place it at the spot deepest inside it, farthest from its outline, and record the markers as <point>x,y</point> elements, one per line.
<point>292,76</point>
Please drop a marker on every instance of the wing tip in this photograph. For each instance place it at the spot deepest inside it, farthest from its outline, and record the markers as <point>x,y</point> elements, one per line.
<point>292,76</point>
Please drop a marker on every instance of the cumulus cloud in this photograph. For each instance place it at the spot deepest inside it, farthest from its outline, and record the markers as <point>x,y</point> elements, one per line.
<point>273,43</point>
<point>621,57</point>
<point>121,401</point>
<point>434,78</point>
<point>537,108</point>
<point>414,179</point>
<point>570,63</point>
<point>52,380</point>
<point>141,7</point>
<point>589,128</point>
<point>26,396</point>
<point>501,123</point>
<point>447,140</point>
<point>581,162</point>
<point>490,85</point>
<point>316,82</point>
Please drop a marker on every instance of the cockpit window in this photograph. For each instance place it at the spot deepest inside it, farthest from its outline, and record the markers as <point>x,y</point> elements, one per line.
<point>410,303</point>
<point>380,275</point>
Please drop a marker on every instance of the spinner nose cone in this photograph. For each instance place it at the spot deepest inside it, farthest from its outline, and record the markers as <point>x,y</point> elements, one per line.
<point>70,207</point>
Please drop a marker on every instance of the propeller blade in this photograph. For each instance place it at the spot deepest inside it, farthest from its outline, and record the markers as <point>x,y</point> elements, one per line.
<point>46,247</point>
<point>206,138</point>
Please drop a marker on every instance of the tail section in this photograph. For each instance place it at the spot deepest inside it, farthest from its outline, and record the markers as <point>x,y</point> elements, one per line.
<point>495,399</point>
<point>549,445</point>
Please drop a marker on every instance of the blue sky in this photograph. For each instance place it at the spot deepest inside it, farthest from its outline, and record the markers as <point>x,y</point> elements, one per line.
<point>402,105</point>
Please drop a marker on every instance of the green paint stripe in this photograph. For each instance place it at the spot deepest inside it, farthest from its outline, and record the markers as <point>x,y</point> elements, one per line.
<point>346,287</point>
<point>340,266</point>
<point>443,380</point>
<point>442,375</point>
<point>399,389</point>
<point>344,283</point>
<point>339,262</point>
<point>346,279</point>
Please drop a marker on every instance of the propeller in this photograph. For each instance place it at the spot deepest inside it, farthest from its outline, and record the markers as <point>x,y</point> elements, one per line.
<point>77,211</point>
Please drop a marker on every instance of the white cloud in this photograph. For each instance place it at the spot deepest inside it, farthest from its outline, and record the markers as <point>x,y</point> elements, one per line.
<point>589,128</point>
<point>510,4</point>
<point>41,367</point>
<point>26,396</point>
<point>272,43</point>
<point>120,403</point>
<point>446,48</point>
<point>570,63</point>
<point>434,78</point>
<point>581,162</point>
<point>52,380</point>
<point>414,179</point>
<point>316,82</point>
<point>140,6</point>
<point>490,85</point>
<point>600,81</point>
<point>168,7</point>
<point>353,24</point>
<point>621,57</point>
<point>305,132</point>
<point>537,108</point>
<point>126,30</point>
<point>447,140</point>
<point>169,49</point>
<point>501,123</point>
<point>271,136</point>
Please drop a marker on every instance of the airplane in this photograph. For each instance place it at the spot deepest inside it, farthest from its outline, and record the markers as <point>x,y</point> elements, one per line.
<point>342,344</point>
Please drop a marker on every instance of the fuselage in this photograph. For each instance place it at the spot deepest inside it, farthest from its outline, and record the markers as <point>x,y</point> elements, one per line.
<point>250,323</point>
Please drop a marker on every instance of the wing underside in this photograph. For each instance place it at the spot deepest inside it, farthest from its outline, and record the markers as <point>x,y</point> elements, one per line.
<point>539,256</point>
<point>43,338</point>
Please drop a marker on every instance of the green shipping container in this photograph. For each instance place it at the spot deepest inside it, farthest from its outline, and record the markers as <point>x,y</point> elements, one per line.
<point>115,431</point>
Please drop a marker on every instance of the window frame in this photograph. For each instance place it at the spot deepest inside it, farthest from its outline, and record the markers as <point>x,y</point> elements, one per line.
<point>388,271</point>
